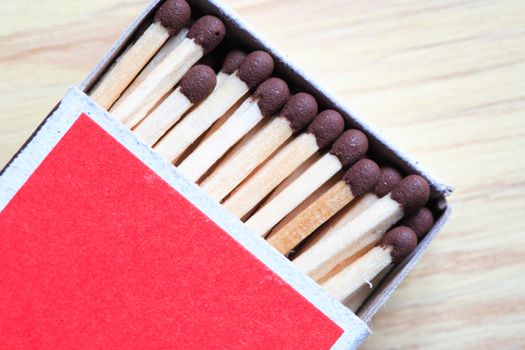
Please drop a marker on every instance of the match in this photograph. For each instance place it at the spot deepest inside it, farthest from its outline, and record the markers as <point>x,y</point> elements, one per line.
<point>169,46</point>
<point>351,146</point>
<point>367,228</point>
<point>388,179</point>
<point>296,114</point>
<point>205,34</point>
<point>420,222</point>
<point>321,133</point>
<point>267,100</point>
<point>195,86</point>
<point>396,245</point>
<point>357,181</point>
<point>255,68</point>
<point>170,18</point>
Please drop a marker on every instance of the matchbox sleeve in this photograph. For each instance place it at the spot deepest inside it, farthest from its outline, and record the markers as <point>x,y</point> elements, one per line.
<point>103,244</point>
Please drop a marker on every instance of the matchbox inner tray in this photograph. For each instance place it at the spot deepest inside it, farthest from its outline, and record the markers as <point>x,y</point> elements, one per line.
<point>105,242</point>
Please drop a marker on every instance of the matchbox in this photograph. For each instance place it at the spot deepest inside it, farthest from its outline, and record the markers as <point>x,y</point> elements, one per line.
<point>104,242</point>
<point>134,237</point>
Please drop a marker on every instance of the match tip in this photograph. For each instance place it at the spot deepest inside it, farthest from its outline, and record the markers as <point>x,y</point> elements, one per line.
<point>232,61</point>
<point>255,68</point>
<point>412,193</point>
<point>362,176</point>
<point>351,146</point>
<point>198,83</point>
<point>402,240</point>
<point>300,110</point>
<point>327,127</point>
<point>271,95</point>
<point>173,15</point>
<point>388,179</point>
<point>420,222</point>
<point>208,32</point>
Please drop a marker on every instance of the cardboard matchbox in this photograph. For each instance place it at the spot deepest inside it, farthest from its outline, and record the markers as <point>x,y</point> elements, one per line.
<point>105,245</point>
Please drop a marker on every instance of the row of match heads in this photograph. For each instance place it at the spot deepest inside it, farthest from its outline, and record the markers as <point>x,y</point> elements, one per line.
<point>263,152</point>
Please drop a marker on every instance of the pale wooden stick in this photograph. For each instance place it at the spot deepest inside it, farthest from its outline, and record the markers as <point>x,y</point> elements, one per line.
<point>251,192</point>
<point>169,19</point>
<point>271,95</point>
<point>354,276</point>
<point>349,147</point>
<point>256,67</point>
<point>395,246</point>
<point>388,179</point>
<point>169,46</point>
<point>271,213</point>
<point>358,180</point>
<point>200,39</point>
<point>295,115</point>
<point>322,132</point>
<point>358,298</point>
<point>367,228</point>
<point>313,216</point>
<point>196,85</point>
<point>160,120</point>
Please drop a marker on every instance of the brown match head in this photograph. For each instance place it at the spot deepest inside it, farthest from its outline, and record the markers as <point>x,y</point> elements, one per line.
<point>402,240</point>
<point>362,176</point>
<point>232,61</point>
<point>327,127</point>
<point>255,68</point>
<point>300,110</point>
<point>351,146</point>
<point>208,32</point>
<point>173,15</point>
<point>420,222</point>
<point>198,83</point>
<point>271,95</point>
<point>388,179</point>
<point>411,193</point>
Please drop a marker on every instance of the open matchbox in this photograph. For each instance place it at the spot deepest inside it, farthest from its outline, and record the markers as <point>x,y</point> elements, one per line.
<point>113,247</point>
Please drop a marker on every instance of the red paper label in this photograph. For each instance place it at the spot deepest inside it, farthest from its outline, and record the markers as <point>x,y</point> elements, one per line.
<point>98,252</point>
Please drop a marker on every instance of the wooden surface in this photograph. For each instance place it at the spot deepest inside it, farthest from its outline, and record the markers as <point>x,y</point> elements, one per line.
<point>444,80</point>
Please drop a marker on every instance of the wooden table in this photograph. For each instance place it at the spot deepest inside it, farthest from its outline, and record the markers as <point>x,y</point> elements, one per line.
<point>444,80</point>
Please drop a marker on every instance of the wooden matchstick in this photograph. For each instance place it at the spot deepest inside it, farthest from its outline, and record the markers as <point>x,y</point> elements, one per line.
<point>170,18</point>
<point>396,245</point>
<point>420,222</point>
<point>409,194</point>
<point>203,37</point>
<point>351,146</point>
<point>169,46</point>
<point>321,133</point>
<point>267,100</point>
<point>388,179</point>
<point>196,85</point>
<point>296,114</point>
<point>357,181</point>
<point>255,68</point>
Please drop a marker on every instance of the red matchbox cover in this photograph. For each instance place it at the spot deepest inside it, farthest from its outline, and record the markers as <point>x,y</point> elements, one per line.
<point>97,250</point>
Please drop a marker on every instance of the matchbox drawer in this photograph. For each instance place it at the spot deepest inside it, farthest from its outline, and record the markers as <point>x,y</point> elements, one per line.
<point>240,144</point>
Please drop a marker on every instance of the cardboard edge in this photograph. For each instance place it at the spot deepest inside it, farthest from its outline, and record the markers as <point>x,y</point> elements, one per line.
<point>75,103</point>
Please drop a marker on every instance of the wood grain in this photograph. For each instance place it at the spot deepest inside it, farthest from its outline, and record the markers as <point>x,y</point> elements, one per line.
<point>444,80</point>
